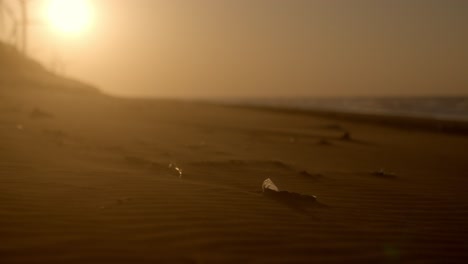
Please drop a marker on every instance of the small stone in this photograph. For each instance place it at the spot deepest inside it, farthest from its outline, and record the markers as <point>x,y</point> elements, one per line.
<point>346,136</point>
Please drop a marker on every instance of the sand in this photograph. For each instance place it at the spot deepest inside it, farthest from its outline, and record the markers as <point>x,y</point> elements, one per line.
<point>88,178</point>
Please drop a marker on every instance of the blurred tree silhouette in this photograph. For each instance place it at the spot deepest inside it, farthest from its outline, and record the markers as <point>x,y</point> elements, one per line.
<point>14,24</point>
<point>9,24</point>
<point>24,25</point>
<point>15,21</point>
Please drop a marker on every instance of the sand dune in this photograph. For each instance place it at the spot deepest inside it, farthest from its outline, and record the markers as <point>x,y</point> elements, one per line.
<point>85,178</point>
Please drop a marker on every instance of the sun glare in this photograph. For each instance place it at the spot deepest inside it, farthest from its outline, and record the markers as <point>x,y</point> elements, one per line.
<point>69,16</point>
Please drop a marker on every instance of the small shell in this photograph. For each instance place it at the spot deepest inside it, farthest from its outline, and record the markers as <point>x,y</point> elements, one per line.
<point>268,184</point>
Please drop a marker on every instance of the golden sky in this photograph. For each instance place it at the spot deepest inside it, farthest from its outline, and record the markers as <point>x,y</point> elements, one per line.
<point>216,48</point>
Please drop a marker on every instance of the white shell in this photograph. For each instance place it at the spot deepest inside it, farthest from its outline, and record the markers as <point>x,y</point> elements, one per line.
<point>268,184</point>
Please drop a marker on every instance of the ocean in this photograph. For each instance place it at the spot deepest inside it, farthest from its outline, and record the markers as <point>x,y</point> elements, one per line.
<point>443,108</point>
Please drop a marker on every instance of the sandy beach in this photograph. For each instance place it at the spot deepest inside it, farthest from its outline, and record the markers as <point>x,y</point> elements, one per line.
<point>89,178</point>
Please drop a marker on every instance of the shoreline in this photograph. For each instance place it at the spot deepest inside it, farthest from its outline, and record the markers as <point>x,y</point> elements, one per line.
<point>459,127</point>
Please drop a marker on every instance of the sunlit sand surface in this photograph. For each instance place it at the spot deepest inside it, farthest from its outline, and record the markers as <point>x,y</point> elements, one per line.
<point>89,178</point>
<point>86,178</point>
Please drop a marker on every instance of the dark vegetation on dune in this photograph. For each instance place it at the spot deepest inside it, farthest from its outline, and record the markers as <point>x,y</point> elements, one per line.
<point>20,71</point>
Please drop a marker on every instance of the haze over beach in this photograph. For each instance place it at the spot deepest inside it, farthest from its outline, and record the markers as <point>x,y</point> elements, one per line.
<point>267,48</point>
<point>233,131</point>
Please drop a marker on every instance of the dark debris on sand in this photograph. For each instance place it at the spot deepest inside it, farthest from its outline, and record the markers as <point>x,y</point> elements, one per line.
<point>346,136</point>
<point>383,174</point>
<point>307,174</point>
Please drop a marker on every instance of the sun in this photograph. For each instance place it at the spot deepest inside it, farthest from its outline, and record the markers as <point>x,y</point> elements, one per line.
<point>69,16</point>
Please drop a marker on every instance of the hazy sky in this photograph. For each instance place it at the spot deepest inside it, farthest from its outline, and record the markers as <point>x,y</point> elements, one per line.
<point>208,48</point>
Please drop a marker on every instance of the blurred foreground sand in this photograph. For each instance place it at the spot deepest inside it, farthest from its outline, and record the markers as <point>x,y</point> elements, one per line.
<point>85,178</point>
